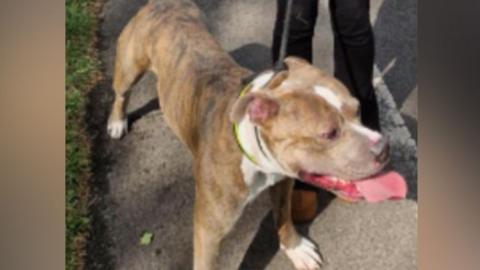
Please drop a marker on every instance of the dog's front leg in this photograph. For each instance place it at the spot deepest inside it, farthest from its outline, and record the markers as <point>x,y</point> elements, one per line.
<point>214,216</point>
<point>301,251</point>
<point>206,245</point>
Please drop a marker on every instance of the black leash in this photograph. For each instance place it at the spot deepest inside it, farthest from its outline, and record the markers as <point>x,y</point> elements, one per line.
<point>279,65</point>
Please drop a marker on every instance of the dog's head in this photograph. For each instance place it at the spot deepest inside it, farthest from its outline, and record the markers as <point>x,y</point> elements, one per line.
<point>310,123</point>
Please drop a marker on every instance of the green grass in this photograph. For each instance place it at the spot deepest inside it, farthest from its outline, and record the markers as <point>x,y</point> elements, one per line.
<point>81,67</point>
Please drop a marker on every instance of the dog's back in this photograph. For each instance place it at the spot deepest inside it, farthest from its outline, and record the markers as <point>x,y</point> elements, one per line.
<point>171,39</point>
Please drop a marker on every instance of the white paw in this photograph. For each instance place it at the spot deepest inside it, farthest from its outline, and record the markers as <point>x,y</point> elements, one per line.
<point>304,256</point>
<point>117,128</point>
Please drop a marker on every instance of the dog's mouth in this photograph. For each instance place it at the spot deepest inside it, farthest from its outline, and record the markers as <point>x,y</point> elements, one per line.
<point>376,188</point>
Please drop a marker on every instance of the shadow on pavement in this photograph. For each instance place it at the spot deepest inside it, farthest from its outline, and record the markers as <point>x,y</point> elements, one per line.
<point>253,56</point>
<point>263,247</point>
<point>99,241</point>
<point>148,107</point>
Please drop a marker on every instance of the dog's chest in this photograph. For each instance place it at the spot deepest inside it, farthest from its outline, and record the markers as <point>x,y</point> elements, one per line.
<point>256,180</point>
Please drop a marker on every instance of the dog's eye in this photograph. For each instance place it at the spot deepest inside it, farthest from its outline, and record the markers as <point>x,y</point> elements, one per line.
<point>330,135</point>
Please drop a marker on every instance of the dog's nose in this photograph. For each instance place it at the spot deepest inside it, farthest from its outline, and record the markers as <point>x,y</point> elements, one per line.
<point>381,150</point>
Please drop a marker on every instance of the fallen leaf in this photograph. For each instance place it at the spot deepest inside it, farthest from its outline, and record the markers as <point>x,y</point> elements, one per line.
<point>146,238</point>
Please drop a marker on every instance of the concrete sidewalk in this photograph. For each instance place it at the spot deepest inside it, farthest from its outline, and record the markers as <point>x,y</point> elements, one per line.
<point>145,182</point>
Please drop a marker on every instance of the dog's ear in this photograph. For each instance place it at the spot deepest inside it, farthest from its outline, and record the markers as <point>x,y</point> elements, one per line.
<point>293,62</point>
<point>258,107</point>
<point>277,79</point>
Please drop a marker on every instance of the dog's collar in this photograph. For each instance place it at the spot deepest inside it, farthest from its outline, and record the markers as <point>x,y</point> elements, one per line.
<point>258,140</point>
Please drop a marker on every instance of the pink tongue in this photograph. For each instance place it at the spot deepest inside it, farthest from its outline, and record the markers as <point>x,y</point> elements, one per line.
<point>387,186</point>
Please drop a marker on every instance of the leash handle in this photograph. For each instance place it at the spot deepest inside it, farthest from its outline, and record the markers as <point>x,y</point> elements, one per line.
<point>279,65</point>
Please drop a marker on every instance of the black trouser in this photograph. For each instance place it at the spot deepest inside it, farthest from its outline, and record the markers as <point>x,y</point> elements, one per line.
<point>353,46</point>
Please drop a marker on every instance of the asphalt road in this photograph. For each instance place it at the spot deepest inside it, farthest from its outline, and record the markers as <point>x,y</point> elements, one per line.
<point>144,183</point>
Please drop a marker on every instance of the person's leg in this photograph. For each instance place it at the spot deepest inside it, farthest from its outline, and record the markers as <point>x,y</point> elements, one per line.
<point>354,54</point>
<point>302,26</point>
<point>301,31</point>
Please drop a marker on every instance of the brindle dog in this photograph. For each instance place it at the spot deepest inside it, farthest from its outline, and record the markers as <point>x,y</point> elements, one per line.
<point>297,123</point>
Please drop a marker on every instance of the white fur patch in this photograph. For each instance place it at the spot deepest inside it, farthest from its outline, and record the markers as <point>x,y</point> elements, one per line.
<point>304,256</point>
<point>261,80</point>
<point>116,129</point>
<point>371,134</point>
<point>256,180</point>
<point>329,96</point>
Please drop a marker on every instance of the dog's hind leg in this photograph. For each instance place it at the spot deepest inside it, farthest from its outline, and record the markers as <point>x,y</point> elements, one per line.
<point>130,63</point>
<point>301,251</point>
